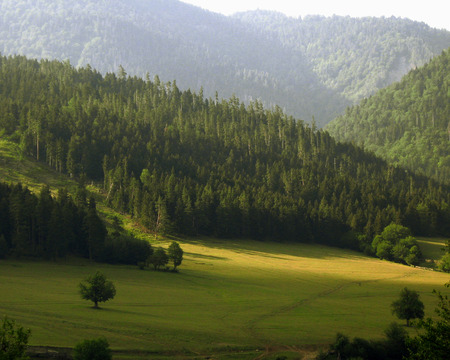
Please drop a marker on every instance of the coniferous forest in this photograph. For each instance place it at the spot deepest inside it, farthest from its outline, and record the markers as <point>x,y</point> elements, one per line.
<point>408,122</point>
<point>181,163</point>
<point>52,227</point>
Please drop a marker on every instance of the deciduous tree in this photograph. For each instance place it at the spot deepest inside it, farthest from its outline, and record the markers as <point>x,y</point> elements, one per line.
<point>408,306</point>
<point>97,289</point>
<point>175,253</point>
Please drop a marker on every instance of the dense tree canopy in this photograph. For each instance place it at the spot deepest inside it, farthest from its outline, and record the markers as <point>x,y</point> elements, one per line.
<point>53,227</point>
<point>354,56</point>
<point>406,123</point>
<point>182,163</point>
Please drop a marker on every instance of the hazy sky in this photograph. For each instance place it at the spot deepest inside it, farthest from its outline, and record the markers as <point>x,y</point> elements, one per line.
<point>435,13</point>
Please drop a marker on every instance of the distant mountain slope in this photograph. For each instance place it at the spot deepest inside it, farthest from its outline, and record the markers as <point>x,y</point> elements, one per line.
<point>355,56</point>
<point>170,39</point>
<point>301,71</point>
<point>407,123</point>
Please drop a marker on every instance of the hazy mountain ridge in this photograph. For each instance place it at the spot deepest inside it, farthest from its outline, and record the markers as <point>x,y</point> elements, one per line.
<point>196,47</point>
<point>355,56</point>
<point>406,123</point>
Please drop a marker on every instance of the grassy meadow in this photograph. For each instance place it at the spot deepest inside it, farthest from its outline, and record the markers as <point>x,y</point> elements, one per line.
<point>230,297</point>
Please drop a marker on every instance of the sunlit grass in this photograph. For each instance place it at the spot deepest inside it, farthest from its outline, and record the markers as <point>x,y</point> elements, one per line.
<point>228,294</point>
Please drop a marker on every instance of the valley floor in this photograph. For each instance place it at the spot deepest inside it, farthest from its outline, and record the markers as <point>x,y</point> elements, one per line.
<point>231,299</point>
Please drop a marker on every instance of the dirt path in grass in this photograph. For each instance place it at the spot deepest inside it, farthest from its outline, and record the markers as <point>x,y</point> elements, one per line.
<point>271,347</point>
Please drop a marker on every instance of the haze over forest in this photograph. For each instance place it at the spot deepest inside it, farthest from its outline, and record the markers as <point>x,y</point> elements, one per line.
<point>314,66</point>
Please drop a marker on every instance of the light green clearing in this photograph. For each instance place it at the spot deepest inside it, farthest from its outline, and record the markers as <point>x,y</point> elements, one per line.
<point>432,248</point>
<point>15,168</point>
<point>238,295</point>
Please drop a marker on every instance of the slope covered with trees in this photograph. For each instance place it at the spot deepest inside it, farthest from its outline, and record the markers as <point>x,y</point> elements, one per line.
<point>311,67</point>
<point>182,163</point>
<point>354,56</point>
<point>408,122</point>
<point>52,227</point>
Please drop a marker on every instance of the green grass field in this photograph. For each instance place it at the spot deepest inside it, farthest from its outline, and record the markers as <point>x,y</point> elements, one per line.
<point>229,297</point>
<point>231,300</point>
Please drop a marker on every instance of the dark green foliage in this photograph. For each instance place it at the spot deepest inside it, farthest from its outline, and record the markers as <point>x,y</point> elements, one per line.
<point>95,349</point>
<point>158,259</point>
<point>434,342</point>
<point>408,306</point>
<point>97,289</point>
<point>125,249</point>
<point>40,226</point>
<point>51,228</point>
<point>13,340</point>
<point>175,254</point>
<point>396,341</point>
<point>444,263</point>
<point>181,163</point>
<point>3,247</point>
<point>407,123</point>
<point>393,347</point>
<point>96,233</point>
<point>396,243</point>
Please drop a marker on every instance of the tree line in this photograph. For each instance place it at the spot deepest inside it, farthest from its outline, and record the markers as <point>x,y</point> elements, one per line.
<point>49,227</point>
<point>182,163</point>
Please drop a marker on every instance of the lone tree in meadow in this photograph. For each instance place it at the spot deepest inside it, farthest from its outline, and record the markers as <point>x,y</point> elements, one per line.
<point>175,253</point>
<point>97,289</point>
<point>408,306</point>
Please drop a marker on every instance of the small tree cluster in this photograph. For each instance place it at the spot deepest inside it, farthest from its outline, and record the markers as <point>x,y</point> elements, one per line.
<point>395,243</point>
<point>160,258</point>
<point>392,347</point>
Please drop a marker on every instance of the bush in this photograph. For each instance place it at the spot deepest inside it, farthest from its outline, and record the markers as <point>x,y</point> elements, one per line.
<point>444,263</point>
<point>96,349</point>
<point>13,340</point>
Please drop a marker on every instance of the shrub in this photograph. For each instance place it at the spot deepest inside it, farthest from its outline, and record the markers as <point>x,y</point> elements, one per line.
<point>13,340</point>
<point>96,349</point>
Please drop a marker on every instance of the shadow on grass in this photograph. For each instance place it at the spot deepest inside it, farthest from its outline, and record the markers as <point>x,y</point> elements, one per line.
<point>273,249</point>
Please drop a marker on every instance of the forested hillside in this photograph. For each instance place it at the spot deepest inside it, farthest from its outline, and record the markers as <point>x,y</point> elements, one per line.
<point>407,123</point>
<point>182,163</point>
<point>311,67</point>
<point>354,56</point>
